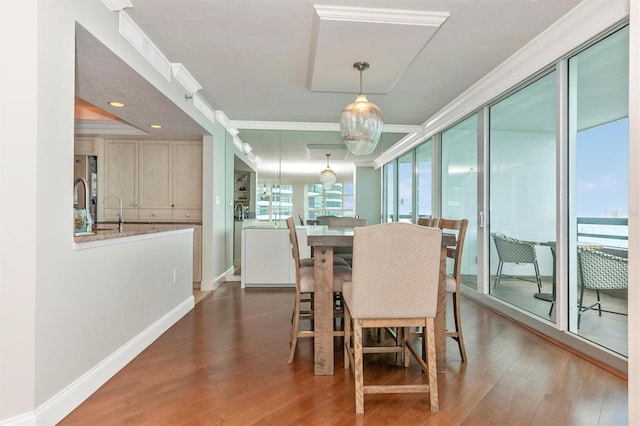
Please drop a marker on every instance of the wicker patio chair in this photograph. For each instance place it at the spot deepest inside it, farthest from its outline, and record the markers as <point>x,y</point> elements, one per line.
<point>600,271</point>
<point>511,250</point>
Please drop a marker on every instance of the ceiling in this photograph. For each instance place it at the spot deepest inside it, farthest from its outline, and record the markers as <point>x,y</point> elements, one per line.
<point>279,68</point>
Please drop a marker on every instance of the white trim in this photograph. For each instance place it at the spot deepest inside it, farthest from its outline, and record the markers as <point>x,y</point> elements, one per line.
<point>143,44</point>
<point>211,285</point>
<point>200,104</point>
<point>315,127</point>
<point>184,77</point>
<point>381,16</point>
<point>633,388</point>
<point>117,5</point>
<point>65,401</point>
<point>584,22</point>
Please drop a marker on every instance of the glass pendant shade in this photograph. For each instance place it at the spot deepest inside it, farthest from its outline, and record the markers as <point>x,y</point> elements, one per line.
<point>361,121</point>
<point>327,176</point>
<point>361,126</point>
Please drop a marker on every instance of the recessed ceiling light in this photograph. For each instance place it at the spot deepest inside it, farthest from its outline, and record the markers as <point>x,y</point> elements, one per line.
<point>117,104</point>
<point>155,126</point>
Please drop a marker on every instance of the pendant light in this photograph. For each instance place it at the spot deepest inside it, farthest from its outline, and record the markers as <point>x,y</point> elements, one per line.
<point>327,176</point>
<point>361,121</point>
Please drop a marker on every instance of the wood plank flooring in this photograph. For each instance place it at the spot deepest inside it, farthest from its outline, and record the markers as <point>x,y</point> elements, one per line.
<point>225,362</point>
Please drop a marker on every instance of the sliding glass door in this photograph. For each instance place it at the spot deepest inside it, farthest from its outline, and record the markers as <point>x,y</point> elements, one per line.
<point>599,184</point>
<point>459,188</point>
<point>522,182</point>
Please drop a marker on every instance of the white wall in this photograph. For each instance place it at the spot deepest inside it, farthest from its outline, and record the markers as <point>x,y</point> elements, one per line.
<point>368,187</point>
<point>18,104</point>
<point>65,311</point>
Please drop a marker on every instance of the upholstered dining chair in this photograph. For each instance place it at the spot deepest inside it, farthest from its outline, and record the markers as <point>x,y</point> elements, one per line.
<point>511,250</point>
<point>304,291</point>
<point>600,271</point>
<point>395,284</point>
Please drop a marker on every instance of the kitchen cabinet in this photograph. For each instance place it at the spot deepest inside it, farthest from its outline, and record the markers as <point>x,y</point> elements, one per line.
<point>187,175</point>
<point>156,180</point>
<point>85,146</point>
<point>120,179</point>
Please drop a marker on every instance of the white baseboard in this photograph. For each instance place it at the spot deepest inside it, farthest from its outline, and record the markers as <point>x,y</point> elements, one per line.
<point>210,285</point>
<point>68,399</point>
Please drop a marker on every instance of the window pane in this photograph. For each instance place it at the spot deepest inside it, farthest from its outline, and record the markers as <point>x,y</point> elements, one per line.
<point>389,192</point>
<point>459,165</point>
<point>599,136</point>
<point>424,179</point>
<point>405,188</point>
<point>522,188</point>
<point>332,202</point>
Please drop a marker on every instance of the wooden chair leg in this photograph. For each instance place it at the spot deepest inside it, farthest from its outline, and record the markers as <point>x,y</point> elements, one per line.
<point>347,337</point>
<point>357,368</point>
<point>294,332</point>
<point>431,364</point>
<point>458,324</point>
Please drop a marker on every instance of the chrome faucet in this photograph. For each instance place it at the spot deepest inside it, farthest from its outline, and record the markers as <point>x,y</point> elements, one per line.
<point>239,212</point>
<point>120,216</point>
<point>76,184</point>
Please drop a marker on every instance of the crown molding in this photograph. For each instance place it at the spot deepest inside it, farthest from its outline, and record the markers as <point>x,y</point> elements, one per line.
<point>185,78</point>
<point>381,16</point>
<point>117,5</point>
<point>315,127</point>
<point>143,44</point>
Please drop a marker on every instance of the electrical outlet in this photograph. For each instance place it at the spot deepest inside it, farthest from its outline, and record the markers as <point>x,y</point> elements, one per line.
<point>175,275</point>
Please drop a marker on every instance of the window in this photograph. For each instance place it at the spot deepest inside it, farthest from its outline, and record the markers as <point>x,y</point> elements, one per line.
<point>599,184</point>
<point>389,192</point>
<point>336,201</point>
<point>405,188</point>
<point>274,202</point>
<point>424,179</point>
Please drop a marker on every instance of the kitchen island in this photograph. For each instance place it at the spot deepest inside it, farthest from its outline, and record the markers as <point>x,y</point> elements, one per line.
<point>266,259</point>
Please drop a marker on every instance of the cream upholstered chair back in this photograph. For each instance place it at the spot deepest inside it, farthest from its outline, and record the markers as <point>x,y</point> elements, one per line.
<point>346,222</point>
<point>395,271</point>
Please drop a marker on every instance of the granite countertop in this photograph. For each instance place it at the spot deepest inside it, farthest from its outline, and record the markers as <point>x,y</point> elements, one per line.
<point>109,230</point>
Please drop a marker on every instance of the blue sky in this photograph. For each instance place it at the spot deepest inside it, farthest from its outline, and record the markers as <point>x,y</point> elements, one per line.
<point>602,169</point>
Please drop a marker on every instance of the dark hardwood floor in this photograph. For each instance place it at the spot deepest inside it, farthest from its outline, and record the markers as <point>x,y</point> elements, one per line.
<point>226,363</point>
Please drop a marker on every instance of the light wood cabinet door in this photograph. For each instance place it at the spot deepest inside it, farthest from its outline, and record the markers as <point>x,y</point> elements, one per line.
<point>121,176</point>
<point>154,174</point>
<point>187,175</point>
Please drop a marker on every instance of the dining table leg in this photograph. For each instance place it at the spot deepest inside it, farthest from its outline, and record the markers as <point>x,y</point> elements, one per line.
<point>441,315</point>
<point>323,311</point>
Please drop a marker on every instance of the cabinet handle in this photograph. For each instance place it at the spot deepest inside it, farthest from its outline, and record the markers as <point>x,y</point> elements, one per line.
<point>153,215</point>
<point>188,215</point>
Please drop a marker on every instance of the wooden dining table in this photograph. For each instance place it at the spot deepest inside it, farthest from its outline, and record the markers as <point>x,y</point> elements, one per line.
<point>324,239</point>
